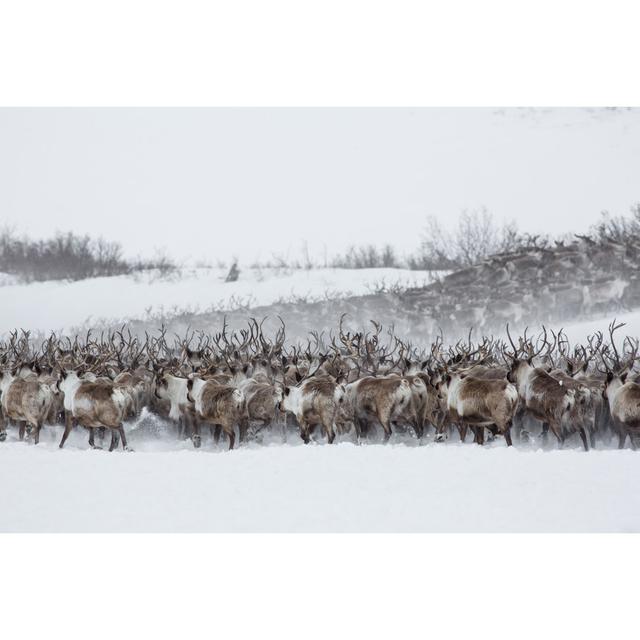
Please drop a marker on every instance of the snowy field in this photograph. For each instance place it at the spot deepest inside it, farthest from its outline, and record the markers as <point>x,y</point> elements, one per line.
<point>95,300</point>
<point>165,485</point>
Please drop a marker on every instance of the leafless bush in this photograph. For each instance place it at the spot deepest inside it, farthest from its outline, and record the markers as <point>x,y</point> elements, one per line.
<point>475,237</point>
<point>367,257</point>
<point>69,256</point>
<point>382,287</point>
<point>618,228</point>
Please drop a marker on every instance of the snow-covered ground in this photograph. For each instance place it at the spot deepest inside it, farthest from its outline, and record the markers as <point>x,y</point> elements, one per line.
<point>578,331</point>
<point>165,485</point>
<point>56,305</point>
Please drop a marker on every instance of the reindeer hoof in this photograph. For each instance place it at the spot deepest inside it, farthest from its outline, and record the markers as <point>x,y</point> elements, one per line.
<point>96,446</point>
<point>197,441</point>
<point>3,437</point>
<point>439,438</point>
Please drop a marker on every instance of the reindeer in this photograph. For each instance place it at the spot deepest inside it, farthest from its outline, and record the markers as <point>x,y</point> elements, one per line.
<point>26,401</point>
<point>217,404</point>
<point>174,390</point>
<point>93,405</point>
<point>544,397</point>
<point>378,399</point>
<point>388,380</point>
<point>623,394</point>
<point>315,401</point>
<point>262,400</point>
<point>480,403</point>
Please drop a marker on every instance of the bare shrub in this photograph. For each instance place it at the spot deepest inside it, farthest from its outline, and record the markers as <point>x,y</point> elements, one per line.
<point>475,237</point>
<point>367,257</point>
<point>618,228</point>
<point>69,256</point>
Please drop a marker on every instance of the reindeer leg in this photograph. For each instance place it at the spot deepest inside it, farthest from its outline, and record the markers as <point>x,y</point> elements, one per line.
<point>420,426</point>
<point>583,436</point>
<point>331,432</point>
<point>216,433</point>
<point>440,431</point>
<point>557,430</point>
<point>243,429</point>
<point>123,438</point>
<point>36,437</point>
<point>384,418</point>
<point>22,426</point>
<point>545,431</point>
<point>115,439</point>
<point>195,435</point>
<point>507,434</point>
<point>622,437</point>
<point>92,443</point>
<point>304,430</point>
<point>519,423</point>
<point>386,425</point>
<point>231,433</point>
<point>462,430</point>
<point>68,425</point>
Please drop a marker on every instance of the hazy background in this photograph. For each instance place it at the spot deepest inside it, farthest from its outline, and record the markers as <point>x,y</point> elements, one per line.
<point>216,183</point>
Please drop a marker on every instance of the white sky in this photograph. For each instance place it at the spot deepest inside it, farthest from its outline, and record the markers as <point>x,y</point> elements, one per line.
<point>212,183</point>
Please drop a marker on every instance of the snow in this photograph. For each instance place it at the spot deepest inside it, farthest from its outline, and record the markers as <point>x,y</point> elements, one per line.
<point>165,485</point>
<point>578,331</point>
<point>56,305</point>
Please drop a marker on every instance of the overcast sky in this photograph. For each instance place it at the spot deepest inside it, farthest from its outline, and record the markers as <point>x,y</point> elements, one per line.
<point>213,183</point>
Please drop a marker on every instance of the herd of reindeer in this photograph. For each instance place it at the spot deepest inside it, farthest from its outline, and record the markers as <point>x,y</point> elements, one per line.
<point>344,383</point>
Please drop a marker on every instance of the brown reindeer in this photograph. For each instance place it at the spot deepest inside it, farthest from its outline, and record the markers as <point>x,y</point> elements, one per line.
<point>623,394</point>
<point>480,403</point>
<point>315,401</point>
<point>94,405</point>
<point>262,400</point>
<point>26,401</point>
<point>542,396</point>
<point>378,399</point>
<point>216,404</point>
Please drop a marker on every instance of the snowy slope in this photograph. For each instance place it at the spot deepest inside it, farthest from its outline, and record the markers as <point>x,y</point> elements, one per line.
<point>58,305</point>
<point>342,487</point>
<point>578,331</point>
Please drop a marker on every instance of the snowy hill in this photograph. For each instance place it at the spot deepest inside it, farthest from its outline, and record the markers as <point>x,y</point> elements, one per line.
<point>63,305</point>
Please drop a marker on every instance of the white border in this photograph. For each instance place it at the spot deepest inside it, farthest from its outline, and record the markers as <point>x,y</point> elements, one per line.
<point>319,586</point>
<point>335,52</point>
